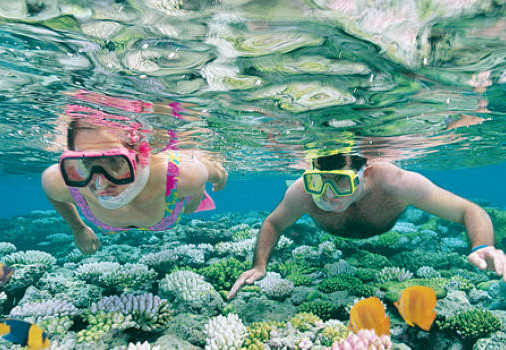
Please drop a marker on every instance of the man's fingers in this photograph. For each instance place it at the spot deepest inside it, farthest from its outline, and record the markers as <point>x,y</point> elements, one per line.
<point>498,262</point>
<point>237,285</point>
<point>477,261</point>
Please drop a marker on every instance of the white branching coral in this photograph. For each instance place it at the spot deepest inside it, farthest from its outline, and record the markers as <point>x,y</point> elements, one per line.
<point>284,242</point>
<point>117,277</point>
<point>276,287</point>
<point>45,308</point>
<point>185,286</point>
<point>91,272</point>
<point>139,346</point>
<point>427,272</point>
<point>7,248</point>
<point>30,257</point>
<point>148,311</point>
<point>393,274</point>
<point>237,249</point>
<point>328,249</point>
<point>187,254</point>
<point>225,333</point>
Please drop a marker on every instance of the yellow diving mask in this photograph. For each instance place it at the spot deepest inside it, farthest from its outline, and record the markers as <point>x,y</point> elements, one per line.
<point>342,183</point>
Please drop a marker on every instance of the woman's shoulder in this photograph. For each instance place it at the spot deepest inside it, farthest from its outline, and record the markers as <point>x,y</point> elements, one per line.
<point>54,186</point>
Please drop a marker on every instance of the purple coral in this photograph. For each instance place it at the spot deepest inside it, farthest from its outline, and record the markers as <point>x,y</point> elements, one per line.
<point>364,339</point>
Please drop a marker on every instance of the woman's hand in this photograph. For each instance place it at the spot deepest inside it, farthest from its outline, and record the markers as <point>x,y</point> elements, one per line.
<point>86,240</point>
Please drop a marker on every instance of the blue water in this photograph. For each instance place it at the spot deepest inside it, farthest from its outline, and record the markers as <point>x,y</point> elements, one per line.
<point>485,183</point>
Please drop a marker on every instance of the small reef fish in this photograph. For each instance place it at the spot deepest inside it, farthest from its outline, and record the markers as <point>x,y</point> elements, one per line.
<point>416,306</point>
<point>24,333</point>
<point>369,314</point>
<point>5,274</point>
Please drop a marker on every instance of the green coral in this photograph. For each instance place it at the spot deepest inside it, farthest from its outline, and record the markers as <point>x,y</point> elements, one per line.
<point>332,332</point>
<point>339,282</point>
<point>224,273</point>
<point>294,266</point>
<point>431,224</point>
<point>364,258</point>
<point>394,289</point>
<point>242,234</point>
<point>102,323</point>
<point>304,321</point>
<point>326,310</point>
<point>463,283</point>
<point>312,295</point>
<point>259,333</point>
<point>366,274</point>
<point>472,324</point>
<point>417,258</point>
<point>299,279</point>
<point>349,283</point>
<point>55,325</point>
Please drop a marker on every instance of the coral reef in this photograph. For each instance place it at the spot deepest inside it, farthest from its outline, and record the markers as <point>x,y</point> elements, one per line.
<point>393,274</point>
<point>471,325</point>
<point>106,301</point>
<point>148,312</point>
<point>276,287</point>
<point>364,339</point>
<point>116,278</point>
<point>188,290</point>
<point>223,273</point>
<point>225,333</point>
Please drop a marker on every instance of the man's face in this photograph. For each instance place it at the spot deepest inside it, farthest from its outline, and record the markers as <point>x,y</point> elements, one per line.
<point>329,201</point>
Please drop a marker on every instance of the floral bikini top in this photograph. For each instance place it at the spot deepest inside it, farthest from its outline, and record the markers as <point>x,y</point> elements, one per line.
<point>173,208</point>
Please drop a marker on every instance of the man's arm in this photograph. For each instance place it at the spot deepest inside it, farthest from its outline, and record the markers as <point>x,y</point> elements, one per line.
<point>418,191</point>
<point>286,213</point>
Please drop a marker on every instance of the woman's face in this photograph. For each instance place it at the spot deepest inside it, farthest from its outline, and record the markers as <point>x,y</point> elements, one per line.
<point>99,140</point>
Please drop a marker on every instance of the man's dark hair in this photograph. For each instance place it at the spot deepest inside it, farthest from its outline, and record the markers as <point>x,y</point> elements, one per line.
<point>339,161</point>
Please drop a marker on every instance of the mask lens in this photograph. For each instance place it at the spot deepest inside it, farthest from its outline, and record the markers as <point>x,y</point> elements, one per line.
<point>314,183</point>
<point>75,170</point>
<point>117,167</point>
<point>78,171</point>
<point>342,184</point>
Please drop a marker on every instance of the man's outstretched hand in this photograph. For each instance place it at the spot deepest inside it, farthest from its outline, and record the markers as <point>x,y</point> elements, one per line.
<point>489,258</point>
<point>247,277</point>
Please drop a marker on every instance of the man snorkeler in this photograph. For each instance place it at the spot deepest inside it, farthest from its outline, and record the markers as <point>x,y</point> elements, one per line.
<point>110,174</point>
<point>346,196</point>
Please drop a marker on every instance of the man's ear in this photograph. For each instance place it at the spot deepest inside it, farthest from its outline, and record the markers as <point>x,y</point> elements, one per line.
<point>367,170</point>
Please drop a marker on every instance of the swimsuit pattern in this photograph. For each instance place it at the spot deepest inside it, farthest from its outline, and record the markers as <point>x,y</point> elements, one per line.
<point>173,208</point>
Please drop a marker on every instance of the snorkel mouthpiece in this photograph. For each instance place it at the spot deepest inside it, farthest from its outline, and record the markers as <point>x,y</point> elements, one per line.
<point>133,189</point>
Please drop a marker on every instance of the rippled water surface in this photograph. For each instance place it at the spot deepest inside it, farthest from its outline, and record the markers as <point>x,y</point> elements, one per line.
<point>261,82</point>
